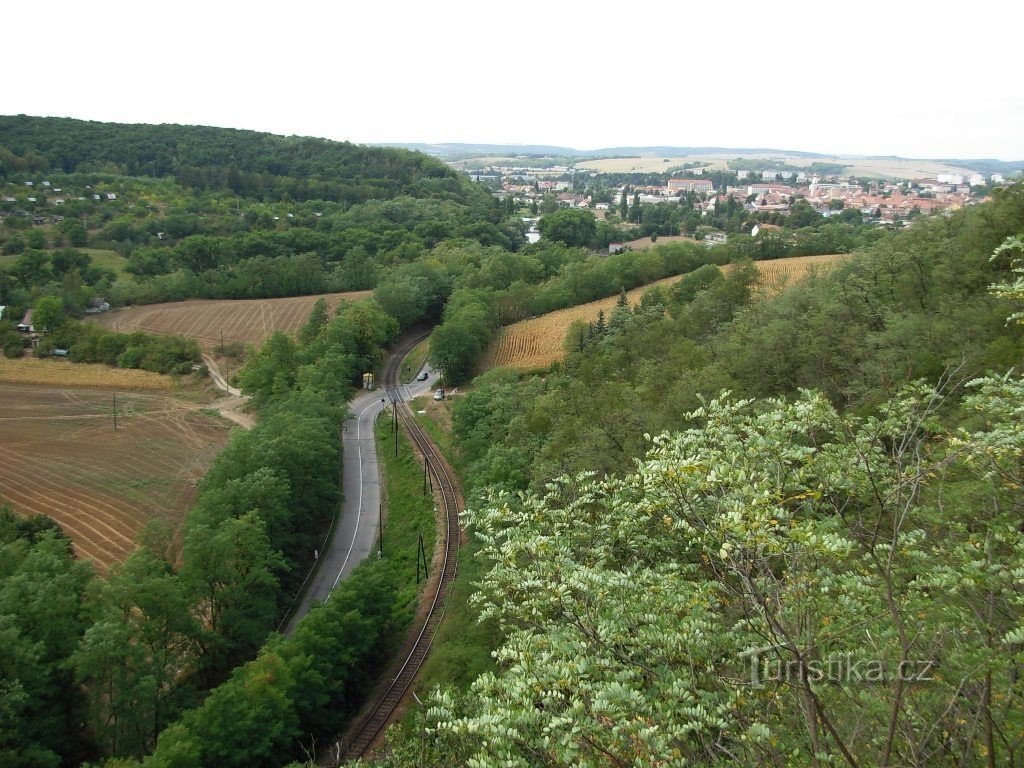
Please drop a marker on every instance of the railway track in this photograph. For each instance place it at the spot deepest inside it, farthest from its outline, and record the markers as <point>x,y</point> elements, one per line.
<point>373,723</point>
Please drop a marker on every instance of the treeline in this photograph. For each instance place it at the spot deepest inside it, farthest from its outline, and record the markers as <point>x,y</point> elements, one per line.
<point>258,165</point>
<point>89,343</point>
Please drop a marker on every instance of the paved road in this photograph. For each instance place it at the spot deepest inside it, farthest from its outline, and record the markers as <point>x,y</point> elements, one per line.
<point>355,537</point>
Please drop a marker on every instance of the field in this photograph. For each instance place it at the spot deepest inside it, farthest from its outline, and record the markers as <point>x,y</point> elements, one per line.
<point>536,343</point>
<point>883,167</point>
<point>61,373</point>
<point>209,320</point>
<point>64,459</point>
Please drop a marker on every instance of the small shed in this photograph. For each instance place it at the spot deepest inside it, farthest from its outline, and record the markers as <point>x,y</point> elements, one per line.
<point>25,326</point>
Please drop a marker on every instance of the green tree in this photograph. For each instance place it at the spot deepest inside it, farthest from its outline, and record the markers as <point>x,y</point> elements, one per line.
<point>271,372</point>
<point>134,656</point>
<point>698,603</point>
<point>315,323</point>
<point>48,313</point>
<point>230,575</point>
<point>571,226</point>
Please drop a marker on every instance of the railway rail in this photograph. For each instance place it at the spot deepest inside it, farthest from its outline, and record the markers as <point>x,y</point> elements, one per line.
<point>367,731</point>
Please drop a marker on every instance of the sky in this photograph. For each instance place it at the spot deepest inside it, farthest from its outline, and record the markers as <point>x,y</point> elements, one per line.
<point>916,79</point>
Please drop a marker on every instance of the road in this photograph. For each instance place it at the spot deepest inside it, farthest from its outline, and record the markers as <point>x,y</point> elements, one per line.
<point>358,528</point>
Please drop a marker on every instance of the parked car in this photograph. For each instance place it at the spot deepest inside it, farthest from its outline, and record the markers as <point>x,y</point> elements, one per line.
<point>422,377</point>
<point>439,394</point>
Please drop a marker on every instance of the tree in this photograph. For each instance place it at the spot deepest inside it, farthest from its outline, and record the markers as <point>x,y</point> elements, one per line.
<point>762,589</point>
<point>229,572</point>
<point>271,371</point>
<point>48,313</point>
<point>75,232</point>
<point>132,658</point>
<point>571,226</point>
<point>1013,290</point>
<point>316,322</point>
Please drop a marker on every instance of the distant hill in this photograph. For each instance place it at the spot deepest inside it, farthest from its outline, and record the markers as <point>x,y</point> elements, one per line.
<point>451,151</point>
<point>457,151</point>
<point>250,163</point>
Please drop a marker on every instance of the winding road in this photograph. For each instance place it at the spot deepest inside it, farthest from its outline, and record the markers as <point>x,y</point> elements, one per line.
<point>358,528</point>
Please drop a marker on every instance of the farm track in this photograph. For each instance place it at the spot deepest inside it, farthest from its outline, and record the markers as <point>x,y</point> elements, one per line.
<point>365,733</point>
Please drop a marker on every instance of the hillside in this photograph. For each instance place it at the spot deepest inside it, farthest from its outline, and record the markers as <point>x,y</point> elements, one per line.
<point>538,342</point>
<point>248,163</point>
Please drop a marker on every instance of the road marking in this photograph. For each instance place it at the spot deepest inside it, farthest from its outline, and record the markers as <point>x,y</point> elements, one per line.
<point>359,508</point>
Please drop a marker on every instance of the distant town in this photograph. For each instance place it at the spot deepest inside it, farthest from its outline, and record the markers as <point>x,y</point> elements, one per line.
<point>767,191</point>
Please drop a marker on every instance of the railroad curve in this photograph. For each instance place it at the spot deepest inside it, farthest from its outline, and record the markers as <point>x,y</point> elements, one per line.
<point>363,735</point>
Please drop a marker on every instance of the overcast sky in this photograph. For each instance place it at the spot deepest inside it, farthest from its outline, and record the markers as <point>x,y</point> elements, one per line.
<point>917,79</point>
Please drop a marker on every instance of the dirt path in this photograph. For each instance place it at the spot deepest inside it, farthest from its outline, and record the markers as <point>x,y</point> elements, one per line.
<point>230,407</point>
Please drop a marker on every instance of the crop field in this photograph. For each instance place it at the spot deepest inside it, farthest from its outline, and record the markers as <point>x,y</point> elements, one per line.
<point>884,167</point>
<point>778,273</point>
<point>62,373</point>
<point>208,320</point>
<point>64,459</point>
<point>536,343</point>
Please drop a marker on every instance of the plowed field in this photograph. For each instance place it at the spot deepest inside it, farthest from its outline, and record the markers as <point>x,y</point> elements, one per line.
<point>62,458</point>
<point>208,320</point>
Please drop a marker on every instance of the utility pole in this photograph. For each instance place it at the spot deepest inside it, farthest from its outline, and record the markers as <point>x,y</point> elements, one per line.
<point>380,528</point>
<point>115,413</point>
<point>424,475</point>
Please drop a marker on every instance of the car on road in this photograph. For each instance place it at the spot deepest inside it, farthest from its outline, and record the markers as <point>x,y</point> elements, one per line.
<point>422,377</point>
<point>439,394</point>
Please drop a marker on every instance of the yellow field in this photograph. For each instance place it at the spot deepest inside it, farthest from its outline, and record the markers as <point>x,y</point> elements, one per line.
<point>879,167</point>
<point>64,373</point>
<point>536,343</point>
<point>209,320</point>
<point>779,273</point>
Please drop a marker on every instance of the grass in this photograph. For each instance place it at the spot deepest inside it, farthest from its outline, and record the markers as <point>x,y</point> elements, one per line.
<point>462,647</point>
<point>415,360</point>
<point>410,513</point>
<point>107,259</point>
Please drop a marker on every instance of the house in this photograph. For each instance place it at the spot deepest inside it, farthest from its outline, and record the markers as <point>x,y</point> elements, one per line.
<point>25,326</point>
<point>111,196</point>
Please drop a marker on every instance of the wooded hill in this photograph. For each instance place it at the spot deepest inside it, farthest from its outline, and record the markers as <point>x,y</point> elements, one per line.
<point>258,165</point>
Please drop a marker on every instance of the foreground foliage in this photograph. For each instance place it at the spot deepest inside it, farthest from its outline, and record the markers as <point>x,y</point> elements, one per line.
<point>784,584</point>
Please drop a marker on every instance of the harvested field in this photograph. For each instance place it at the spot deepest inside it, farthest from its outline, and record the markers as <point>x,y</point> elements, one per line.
<point>778,273</point>
<point>536,343</point>
<point>63,458</point>
<point>63,373</point>
<point>205,320</point>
